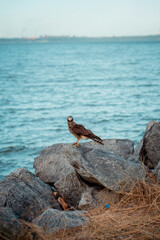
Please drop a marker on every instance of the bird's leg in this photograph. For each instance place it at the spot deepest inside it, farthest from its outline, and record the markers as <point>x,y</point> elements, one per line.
<point>76,144</point>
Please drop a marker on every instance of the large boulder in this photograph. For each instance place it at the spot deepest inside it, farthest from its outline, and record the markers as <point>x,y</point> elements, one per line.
<point>26,195</point>
<point>106,169</point>
<point>10,227</point>
<point>150,150</point>
<point>121,147</point>
<point>53,167</point>
<point>139,146</point>
<point>52,220</point>
<point>70,169</point>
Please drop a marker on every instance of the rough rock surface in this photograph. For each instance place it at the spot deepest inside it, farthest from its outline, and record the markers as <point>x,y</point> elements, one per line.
<point>26,195</point>
<point>121,147</point>
<point>53,220</point>
<point>150,151</point>
<point>10,227</point>
<point>139,146</point>
<point>156,172</point>
<point>86,200</point>
<point>67,167</point>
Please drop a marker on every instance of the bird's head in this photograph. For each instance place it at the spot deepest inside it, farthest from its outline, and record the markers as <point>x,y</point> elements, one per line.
<point>70,119</point>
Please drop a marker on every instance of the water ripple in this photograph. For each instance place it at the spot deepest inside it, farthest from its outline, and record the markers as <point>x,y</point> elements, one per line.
<point>112,89</point>
<point>7,150</point>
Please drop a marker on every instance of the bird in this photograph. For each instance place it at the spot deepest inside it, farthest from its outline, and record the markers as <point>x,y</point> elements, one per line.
<point>80,132</point>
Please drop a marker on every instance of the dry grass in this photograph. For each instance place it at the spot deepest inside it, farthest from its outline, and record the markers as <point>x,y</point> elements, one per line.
<point>136,215</point>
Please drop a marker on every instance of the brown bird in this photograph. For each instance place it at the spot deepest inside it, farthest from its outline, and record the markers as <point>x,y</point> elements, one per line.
<point>80,132</point>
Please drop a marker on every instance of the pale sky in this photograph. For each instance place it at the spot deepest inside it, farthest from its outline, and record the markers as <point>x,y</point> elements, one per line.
<point>31,18</point>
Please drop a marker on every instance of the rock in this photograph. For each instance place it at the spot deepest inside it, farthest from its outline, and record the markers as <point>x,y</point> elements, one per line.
<point>121,147</point>
<point>86,200</point>
<point>68,167</point>
<point>56,170</point>
<point>26,195</point>
<point>71,188</point>
<point>149,125</point>
<point>139,146</point>
<point>150,151</point>
<point>10,227</point>
<point>156,172</point>
<point>91,197</point>
<point>107,169</point>
<point>53,220</point>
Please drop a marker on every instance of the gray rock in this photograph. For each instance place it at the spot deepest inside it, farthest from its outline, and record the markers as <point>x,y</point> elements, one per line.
<point>52,220</point>
<point>90,197</point>
<point>92,162</point>
<point>53,167</point>
<point>107,169</point>
<point>26,195</point>
<point>156,172</point>
<point>10,227</point>
<point>149,125</point>
<point>150,151</point>
<point>121,147</point>
<point>71,188</point>
<point>86,200</point>
<point>139,146</point>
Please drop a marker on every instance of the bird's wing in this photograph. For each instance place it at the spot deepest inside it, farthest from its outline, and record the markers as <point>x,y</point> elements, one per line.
<point>81,130</point>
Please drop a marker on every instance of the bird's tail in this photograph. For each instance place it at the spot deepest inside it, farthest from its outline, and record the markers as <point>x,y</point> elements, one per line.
<point>98,140</point>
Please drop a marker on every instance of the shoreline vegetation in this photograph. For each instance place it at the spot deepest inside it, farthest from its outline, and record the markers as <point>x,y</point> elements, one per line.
<point>55,39</point>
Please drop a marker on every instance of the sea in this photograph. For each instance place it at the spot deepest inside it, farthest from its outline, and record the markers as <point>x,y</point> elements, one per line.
<point>112,87</point>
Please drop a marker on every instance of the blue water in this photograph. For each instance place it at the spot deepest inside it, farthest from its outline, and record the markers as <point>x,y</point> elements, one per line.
<point>113,88</point>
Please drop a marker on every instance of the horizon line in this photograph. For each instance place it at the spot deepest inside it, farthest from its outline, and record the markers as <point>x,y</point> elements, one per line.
<point>78,36</point>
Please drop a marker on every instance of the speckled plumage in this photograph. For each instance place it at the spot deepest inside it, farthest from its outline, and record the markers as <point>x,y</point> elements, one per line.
<point>80,132</point>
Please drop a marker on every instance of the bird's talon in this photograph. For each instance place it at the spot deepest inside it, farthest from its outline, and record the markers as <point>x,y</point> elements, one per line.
<point>74,144</point>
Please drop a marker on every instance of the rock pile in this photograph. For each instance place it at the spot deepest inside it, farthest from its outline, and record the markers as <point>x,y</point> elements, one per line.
<point>78,175</point>
<point>72,170</point>
<point>26,195</point>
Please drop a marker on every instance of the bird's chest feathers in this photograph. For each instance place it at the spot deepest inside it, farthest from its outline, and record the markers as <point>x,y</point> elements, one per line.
<point>70,128</point>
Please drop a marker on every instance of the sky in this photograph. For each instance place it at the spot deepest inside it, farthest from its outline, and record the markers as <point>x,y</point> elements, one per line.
<point>94,18</point>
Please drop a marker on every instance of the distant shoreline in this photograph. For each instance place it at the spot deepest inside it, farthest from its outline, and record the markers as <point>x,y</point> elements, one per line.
<point>49,39</point>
